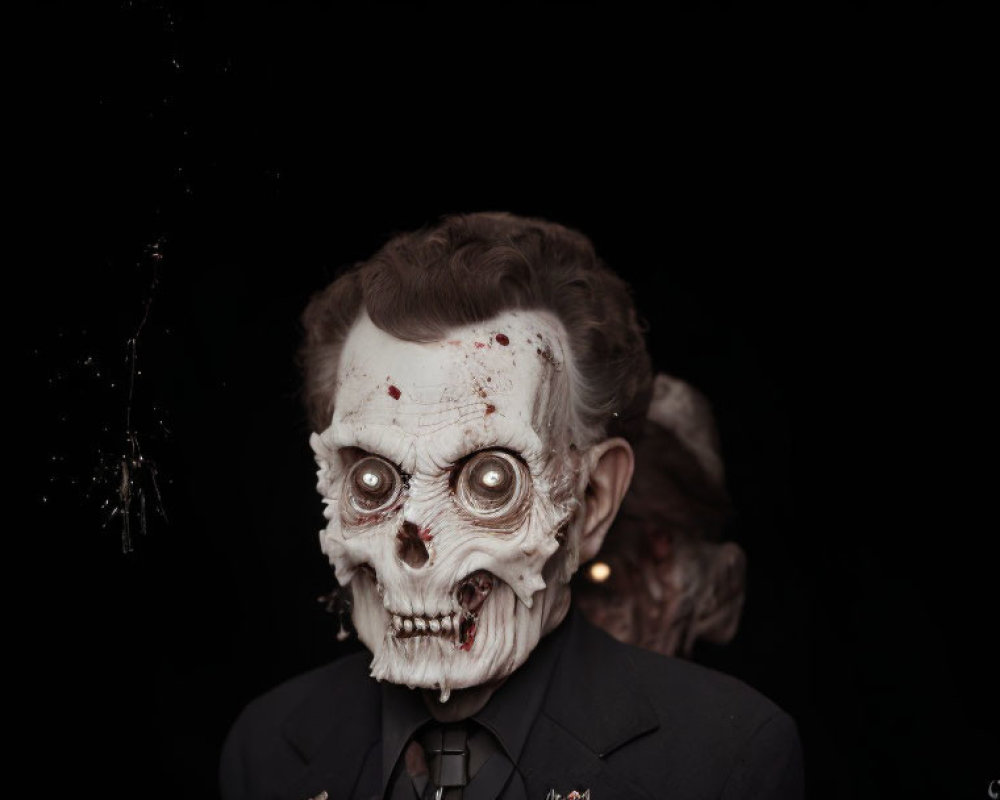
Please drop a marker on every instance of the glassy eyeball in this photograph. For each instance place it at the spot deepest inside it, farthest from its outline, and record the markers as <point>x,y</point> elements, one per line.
<point>491,483</point>
<point>373,484</point>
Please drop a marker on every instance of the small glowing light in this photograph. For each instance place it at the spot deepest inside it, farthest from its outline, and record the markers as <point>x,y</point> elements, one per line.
<point>492,478</point>
<point>599,572</point>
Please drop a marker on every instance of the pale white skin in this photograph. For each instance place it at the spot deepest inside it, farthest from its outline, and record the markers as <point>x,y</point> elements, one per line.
<point>424,407</point>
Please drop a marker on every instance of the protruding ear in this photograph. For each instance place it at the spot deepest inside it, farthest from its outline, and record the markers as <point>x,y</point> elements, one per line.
<point>611,465</point>
<point>718,610</point>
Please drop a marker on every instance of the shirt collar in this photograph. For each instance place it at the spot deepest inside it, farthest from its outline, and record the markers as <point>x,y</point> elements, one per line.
<point>508,714</point>
<point>403,712</point>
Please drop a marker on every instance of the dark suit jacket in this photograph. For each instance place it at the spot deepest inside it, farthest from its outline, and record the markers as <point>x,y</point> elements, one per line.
<point>620,721</point>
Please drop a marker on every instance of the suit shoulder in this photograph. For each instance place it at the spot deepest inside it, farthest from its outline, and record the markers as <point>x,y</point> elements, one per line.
<point>714,731</point>
<point>685,685</point>
<point>695,700</point>
<point>272,737</point>
<point>272,706</point>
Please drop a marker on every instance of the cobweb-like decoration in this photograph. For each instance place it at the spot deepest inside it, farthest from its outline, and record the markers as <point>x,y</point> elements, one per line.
<point>136,491</point>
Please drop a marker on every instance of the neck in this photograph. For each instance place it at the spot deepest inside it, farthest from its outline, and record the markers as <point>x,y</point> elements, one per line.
<point>462,703</point>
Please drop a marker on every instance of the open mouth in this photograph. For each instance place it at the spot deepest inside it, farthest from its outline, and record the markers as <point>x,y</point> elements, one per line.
<point>470,593</point>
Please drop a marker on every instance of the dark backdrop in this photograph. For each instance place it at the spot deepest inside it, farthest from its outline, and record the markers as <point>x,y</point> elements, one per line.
<point>787,249</point>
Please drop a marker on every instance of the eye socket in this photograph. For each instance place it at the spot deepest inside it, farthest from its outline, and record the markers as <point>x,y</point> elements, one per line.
<point>491,483</point>
<point>373,484</point>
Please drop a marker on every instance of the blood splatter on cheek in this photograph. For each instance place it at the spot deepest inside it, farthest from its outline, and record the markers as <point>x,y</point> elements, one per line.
<point>502,339</point>
<point>394,393</point>
<point>490,408</point>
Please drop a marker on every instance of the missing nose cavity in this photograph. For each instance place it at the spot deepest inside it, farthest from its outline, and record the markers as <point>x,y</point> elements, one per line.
<point>410,547</point>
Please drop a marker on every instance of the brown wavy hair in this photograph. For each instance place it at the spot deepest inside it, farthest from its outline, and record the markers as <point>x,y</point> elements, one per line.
<point>467,268</point>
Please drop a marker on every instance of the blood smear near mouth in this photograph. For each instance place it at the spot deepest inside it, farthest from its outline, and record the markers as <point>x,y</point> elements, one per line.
<point>470,637</point>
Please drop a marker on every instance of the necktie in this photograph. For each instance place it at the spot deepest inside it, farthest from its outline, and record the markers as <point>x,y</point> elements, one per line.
<point>446,756</point>
<point>442,759</point>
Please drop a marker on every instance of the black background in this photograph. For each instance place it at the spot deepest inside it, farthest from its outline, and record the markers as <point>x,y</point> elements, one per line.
<point>794,230</point>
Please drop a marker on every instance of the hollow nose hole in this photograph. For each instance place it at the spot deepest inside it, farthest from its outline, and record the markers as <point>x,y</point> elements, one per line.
<point>409,546</point>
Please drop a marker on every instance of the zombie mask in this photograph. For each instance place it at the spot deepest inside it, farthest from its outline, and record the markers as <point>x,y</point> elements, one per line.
<point>451,477</point>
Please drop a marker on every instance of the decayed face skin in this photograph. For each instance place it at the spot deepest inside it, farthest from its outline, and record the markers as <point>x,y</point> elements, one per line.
<point>450,479</point>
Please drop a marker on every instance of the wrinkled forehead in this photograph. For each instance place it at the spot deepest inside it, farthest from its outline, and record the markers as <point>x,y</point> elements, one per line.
<point>498,383</point>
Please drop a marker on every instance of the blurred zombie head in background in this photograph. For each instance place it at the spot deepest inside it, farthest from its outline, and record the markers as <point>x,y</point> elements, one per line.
<point>664,578</point>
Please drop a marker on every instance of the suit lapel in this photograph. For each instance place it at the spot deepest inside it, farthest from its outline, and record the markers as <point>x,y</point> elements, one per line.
<point>336,732</point>
<point>592,708</point>
<point>555,759</point>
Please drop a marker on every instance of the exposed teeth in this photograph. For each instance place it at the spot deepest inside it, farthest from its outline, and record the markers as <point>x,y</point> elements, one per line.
<point>423,626</point>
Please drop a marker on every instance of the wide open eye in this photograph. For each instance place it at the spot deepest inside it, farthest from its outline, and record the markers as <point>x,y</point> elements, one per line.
<point>373,484</point>
<point>491,483</point>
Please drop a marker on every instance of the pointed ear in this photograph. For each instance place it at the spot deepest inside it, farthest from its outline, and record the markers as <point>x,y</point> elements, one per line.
<point>717,612</point>
<point>611,465</point>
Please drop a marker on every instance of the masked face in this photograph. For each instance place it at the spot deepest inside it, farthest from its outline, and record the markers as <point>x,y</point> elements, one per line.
<point>451,485</point>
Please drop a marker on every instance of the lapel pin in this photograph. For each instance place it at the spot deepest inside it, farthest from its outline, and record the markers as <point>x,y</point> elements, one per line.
<point>574,795</point>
